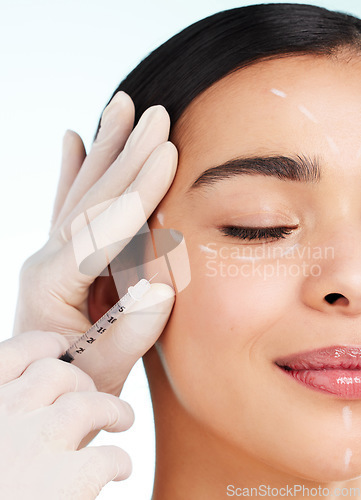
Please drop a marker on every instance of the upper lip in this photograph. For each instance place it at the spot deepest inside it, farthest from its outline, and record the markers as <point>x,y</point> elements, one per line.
<point>338,356</point>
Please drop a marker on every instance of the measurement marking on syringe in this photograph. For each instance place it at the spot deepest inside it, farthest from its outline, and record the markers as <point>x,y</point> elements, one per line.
<point>134,294</point>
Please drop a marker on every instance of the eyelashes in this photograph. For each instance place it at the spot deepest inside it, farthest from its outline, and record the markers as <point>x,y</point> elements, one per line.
<point>256,233</point>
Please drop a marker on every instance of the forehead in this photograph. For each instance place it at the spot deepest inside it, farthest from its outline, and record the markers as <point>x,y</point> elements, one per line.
<point>289,105</point>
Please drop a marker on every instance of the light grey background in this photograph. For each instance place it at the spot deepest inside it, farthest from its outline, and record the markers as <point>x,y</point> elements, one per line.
<point>60,62</point>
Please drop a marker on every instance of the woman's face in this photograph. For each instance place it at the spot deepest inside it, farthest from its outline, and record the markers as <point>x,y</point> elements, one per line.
<point>253,301</point>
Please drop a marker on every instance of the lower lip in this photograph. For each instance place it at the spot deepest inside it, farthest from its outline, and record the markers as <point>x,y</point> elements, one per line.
<point>342,383</point>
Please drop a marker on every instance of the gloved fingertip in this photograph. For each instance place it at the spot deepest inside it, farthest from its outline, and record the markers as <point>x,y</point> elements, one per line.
<point>159,295</point>
<point>162,290</point>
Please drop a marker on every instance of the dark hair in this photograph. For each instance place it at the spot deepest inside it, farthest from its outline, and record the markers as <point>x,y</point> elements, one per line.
<point>203,53</point>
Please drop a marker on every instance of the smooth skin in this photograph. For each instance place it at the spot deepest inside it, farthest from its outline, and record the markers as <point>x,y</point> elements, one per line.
<point>225,414</point>
<point>234,417</point>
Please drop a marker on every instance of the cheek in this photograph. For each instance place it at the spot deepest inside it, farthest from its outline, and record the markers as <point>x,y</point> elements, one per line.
<point>220,322</point>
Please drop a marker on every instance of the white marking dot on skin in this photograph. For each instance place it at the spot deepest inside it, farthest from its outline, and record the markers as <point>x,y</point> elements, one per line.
<point>160,218</point>
<point>332,144</point>
<point>290,249</point>
<point>347,417</point>
<point>348,455</point>
<point>307,113</point>
<point>208,250</point>
<point>280,93</point>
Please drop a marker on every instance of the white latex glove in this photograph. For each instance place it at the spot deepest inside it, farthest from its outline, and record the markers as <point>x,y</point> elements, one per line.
<point>46,408</point>
<point>53,292</point>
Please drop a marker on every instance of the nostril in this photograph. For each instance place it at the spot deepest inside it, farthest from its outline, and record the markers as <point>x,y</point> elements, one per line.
<point>332,297</point>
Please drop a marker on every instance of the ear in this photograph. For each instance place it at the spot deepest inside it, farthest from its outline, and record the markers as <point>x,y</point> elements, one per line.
<point>102,296</point>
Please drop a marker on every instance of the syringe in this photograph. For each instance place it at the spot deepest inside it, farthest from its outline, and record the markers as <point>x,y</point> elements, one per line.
<point>134,294</point>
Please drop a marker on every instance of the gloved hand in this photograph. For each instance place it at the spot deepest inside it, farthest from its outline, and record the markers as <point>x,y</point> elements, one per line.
<point>46,408</point>
<point>53,293</point>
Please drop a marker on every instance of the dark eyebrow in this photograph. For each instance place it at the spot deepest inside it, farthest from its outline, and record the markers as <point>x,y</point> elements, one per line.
<point>300,168</point>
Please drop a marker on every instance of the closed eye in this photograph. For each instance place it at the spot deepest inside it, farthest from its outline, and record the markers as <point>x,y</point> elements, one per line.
<point>257,233</point>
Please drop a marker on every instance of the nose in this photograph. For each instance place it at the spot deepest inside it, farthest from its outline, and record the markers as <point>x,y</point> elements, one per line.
<point>337,288</point>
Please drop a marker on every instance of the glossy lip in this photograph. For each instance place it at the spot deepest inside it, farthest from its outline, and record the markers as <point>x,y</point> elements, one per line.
<point>338,356</point>
<point>334,370</point>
